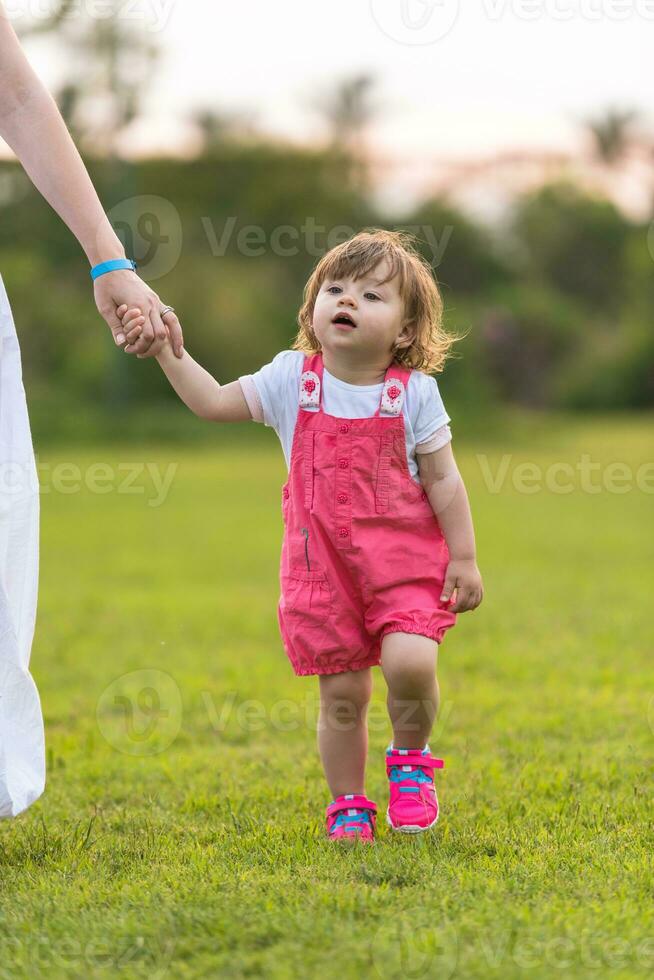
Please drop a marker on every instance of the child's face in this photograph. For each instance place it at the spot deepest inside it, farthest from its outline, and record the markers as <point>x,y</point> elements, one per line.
<point>375,310</point>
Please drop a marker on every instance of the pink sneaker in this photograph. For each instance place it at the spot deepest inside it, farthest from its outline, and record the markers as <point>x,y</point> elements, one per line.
<point>413,805</point>
<point>352,817</point>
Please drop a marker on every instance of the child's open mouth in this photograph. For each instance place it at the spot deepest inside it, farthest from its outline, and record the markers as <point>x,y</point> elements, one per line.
<point>344,320</point>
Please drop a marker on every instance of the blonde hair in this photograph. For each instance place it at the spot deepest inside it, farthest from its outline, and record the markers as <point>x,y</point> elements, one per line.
<point>423,305</point>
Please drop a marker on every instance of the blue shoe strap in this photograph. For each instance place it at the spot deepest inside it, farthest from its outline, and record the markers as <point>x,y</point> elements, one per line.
<point>355,819</point>
<point>398,775</point>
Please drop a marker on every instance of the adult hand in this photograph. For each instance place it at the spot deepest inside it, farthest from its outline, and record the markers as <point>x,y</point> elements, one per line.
<point>113,289</point>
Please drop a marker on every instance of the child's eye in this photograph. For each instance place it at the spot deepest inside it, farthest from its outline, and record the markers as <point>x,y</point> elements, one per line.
<point>371,296</point>
<point>331,288</point>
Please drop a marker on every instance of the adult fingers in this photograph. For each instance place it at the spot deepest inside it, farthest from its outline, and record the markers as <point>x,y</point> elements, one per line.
<point>160,334</point>
<point>174,332</point>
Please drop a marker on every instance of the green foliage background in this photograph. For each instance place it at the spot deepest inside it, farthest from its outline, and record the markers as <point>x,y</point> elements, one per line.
<point>556,302</point>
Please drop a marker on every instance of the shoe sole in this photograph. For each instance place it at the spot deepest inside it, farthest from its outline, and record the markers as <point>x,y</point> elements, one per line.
<point>410,828</point>
<point>351,841</point>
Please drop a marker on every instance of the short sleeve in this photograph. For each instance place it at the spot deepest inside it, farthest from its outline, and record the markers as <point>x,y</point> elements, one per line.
<point>431,413</point>
<point>269,390</point>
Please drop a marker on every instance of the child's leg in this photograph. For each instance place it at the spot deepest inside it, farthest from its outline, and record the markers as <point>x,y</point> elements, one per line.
<point>342,729</point>
<point>408,663</point>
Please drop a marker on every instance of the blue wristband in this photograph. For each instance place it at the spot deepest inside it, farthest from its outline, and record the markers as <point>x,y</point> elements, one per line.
<point>112,266</point>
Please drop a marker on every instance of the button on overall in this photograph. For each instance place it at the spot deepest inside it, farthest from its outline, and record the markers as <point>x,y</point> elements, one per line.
<point>363,553</point>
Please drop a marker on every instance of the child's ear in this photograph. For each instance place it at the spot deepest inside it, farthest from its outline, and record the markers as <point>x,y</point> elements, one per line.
<point>407,336</point>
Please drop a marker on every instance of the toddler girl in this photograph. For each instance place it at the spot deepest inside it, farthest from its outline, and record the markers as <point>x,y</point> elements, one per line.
<point>377,528</point>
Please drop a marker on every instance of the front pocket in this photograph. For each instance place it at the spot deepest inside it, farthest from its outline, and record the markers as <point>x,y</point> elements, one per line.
<point>306,595</point>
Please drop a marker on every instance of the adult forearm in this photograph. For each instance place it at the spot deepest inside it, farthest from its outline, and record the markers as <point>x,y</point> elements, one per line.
<point>31,124</point>
<point>449,501</point>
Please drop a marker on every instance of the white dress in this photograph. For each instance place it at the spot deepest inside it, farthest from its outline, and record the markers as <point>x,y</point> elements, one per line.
<point>22,742</point>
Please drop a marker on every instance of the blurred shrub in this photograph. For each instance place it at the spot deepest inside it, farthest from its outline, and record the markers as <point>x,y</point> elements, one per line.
<point>556,301</point>
<point>574,242</point>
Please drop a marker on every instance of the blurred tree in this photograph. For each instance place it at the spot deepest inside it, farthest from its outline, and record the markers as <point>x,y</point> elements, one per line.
<point>349,111</point>
<point>109,65</point>
<point>463,255</point>
<point>611,134</point>
<point>573,241</point>
<point>218,128</point>
<point>528,335</point>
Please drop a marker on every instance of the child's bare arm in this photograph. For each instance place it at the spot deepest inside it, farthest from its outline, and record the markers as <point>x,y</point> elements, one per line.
<point>200,391</point>
<point>447,494</point>
<point>444,486</point>
<point>196,387</point>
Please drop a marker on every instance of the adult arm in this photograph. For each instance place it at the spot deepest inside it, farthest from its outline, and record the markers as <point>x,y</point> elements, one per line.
<point>33,127</point>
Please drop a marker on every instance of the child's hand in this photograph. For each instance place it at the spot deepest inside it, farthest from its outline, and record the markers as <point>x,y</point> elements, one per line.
<point>132,321</point>
<point>463,575</point>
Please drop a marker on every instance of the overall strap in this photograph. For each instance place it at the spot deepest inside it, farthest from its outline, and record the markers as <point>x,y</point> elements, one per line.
<point>394,390</point>
<point>310,396</point>
<point>390,406</point>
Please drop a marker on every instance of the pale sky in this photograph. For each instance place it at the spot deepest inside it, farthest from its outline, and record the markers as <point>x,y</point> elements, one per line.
<point>454,81</point>
<point>494,80</point>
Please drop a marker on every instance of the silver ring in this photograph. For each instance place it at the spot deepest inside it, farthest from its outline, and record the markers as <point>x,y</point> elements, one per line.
<point>167,309</point>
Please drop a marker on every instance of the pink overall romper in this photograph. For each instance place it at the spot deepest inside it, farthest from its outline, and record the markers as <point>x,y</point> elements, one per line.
<point>363,553</point>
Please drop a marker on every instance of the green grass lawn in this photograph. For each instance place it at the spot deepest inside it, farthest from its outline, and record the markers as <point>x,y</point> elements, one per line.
<point>181,830</point>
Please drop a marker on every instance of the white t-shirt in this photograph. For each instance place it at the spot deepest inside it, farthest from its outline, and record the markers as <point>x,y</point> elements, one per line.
<point>273,392</point>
